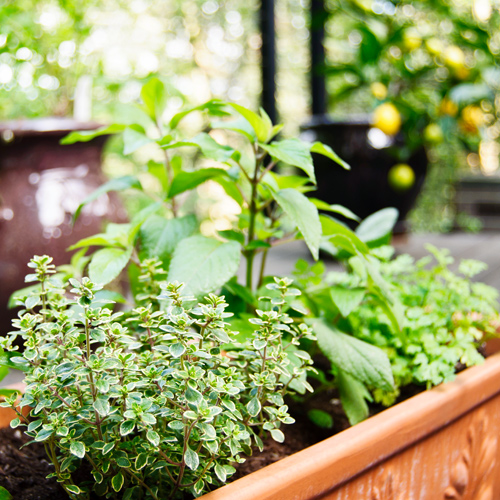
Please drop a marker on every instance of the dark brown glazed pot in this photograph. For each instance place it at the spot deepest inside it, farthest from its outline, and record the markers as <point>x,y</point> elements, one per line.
<point>364,189</point>
<point>41,185</point>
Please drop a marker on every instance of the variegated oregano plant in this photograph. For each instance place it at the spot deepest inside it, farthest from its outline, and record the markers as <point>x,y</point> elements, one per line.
<point>157,400</point>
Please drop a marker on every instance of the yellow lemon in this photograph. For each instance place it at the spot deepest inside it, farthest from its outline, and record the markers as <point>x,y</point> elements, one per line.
<point>379,90</point>
<point>454,57</point>
<point>433,133</point>
<point>435,46</point>
<point>462,73</point>
<point>412,40</point>
<point>401,177</point>
<point>387,118</point>
<point>448,107</point>
<point>472,119</point>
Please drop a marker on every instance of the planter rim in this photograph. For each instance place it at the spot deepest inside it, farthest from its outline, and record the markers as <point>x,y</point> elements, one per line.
<point>332,462</point>
<point>45,126</point>
<point>356,120</point>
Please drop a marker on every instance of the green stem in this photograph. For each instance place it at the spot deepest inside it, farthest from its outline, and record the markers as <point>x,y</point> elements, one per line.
<point>91,379</point>
<point>251,226</point>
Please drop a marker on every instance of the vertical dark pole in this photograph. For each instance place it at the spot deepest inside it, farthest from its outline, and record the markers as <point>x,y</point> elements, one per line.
<point>318,86</point>
<point>268,52</point>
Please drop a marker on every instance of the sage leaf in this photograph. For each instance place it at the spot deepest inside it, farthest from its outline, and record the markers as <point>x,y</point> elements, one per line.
<point>353,395</point>
<point>293,152</point>
<point>108,263</point>
<point>260,125</point>
<point>304,214</point>
<point>363,361</point>
<point>134,140</point>
<point>88,135</point>
<point>325,150</point>
<point>342,236</point>
<point>159,236</point>
<point>204,264</point>
<point>154,97</point>
<point>185,181</point>
<point>346,299</point>
<point>118,184</point>
<point>377,228</point>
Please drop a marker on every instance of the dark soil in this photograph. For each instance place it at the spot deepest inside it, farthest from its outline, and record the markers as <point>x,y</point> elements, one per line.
<point>23,472</point>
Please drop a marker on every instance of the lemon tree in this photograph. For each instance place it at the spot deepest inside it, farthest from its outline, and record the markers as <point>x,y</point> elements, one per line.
<point>425,69</point>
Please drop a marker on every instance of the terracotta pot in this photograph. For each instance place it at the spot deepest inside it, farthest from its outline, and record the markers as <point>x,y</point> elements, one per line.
<point>365,188</point>
<point>41,185</point>
<point>7,414</point>
<point>442,444</point>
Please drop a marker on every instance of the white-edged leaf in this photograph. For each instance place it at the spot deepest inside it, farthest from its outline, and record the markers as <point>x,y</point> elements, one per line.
<point>304,214</point>
<point>77,448</point>
<point>191,458</point>
<point>117,482</point>
<point>220,472</point>
<point>127,427</point>
<point>204,264</point>
<point>277,435</point>
<point>101,406</point>
<point>153,437</point>
<point>254,407</point>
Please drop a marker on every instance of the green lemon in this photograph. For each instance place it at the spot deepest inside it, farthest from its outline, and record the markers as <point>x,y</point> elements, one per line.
<point>401,177</point>
<point>433,133</point>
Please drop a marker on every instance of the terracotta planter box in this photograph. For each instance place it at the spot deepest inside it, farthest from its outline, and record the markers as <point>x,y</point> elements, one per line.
<point>442,444</point>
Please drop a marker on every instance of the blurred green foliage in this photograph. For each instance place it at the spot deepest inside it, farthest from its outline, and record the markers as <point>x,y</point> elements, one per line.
<point>429,70</point>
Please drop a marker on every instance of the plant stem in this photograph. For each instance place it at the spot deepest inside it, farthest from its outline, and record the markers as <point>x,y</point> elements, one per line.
<point>91,379</point>
<point>251,227</point>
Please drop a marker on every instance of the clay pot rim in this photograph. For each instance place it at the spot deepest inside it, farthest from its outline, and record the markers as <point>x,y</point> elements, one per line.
<point>356,120</point>
<point>45,126</point>
<point>316,470</point>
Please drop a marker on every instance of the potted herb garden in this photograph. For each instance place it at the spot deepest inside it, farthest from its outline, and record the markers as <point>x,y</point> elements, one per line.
<point>163,390</point>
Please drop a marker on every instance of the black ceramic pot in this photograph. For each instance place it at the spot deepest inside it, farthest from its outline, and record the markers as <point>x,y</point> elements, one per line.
<point>41,185</point>
<point>365,188</point>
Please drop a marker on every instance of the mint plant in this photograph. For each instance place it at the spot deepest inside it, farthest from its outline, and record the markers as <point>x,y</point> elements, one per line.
<point>273,206</point>
<point>158,399</point>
